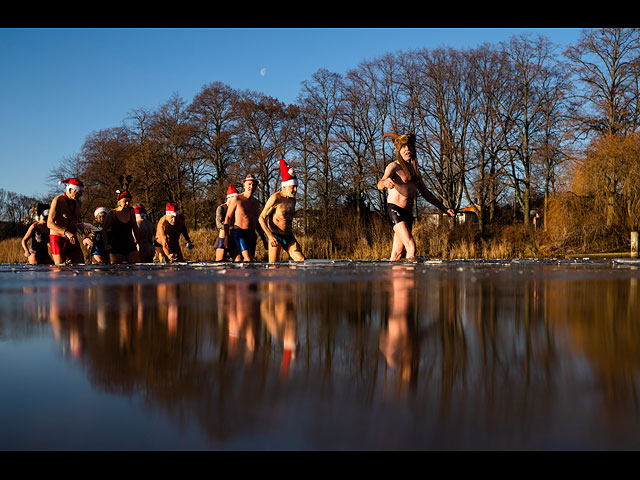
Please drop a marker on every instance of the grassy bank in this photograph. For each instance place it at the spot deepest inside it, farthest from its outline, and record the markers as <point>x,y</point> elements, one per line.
<point>372,240</point>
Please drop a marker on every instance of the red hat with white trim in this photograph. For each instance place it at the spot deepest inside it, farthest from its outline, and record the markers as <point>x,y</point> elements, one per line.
<point>171,209</point>
<point>288,176</point>
<point>100,210</point>
<point>72,183</point>
<point>250,178</point>
<point>231,191</point>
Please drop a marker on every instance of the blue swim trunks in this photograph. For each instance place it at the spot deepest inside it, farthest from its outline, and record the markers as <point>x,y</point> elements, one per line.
<point>245,240</point>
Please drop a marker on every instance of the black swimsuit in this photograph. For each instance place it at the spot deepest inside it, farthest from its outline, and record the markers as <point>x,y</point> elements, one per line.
<point>39,241</point>
<point>121,236</point>
<point>398,214</point>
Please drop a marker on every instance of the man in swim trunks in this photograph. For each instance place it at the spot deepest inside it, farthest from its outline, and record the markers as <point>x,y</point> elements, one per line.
<point>168,232</point>
<point>402,180</point>
<point>64,215</point>
<point>276,218</point>
<point>221,214</point>
<point>242,214</point>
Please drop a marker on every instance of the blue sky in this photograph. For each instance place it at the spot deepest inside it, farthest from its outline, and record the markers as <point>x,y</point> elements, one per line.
<point>58,85</point>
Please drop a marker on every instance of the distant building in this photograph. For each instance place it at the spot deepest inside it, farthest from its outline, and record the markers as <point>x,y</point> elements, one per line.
<point>467,215</point>
<point>464,215</point>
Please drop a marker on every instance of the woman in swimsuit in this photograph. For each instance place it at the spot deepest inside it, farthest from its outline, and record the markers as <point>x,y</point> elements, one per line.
<point>38,252</point>
<point>121,231</point>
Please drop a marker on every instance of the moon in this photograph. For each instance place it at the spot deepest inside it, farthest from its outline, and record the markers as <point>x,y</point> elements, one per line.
<point>263,71</point>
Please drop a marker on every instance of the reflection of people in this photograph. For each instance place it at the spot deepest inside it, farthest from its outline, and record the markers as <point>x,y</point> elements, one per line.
<point>241,307</point>
<point>276,218</point>
<point>64,215</point>
<point>277,310</point>
<point>38,233</point>
<point>395,340</point>
<point>242,216</point>
<point>221,213</point>
<point>168,298</point>
<point>95,240</point>
<point>147,233</point>
<point>67,317</point>
<point>121,231</point>
<point>168,232</point>
<point>402,180</point>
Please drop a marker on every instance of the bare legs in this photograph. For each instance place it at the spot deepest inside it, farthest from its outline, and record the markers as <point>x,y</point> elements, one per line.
<point>294,251</point>
<point>403,242</point>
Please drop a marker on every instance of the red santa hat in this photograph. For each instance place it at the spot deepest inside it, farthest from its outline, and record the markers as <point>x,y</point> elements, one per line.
<point>250,178</point>
<point>100,210</point>
<point>231,191</point>
<point>287,357</point>
<point>72,183</point>
<point>171,209</point>
<point>123,194</point>
<point>288,176</point>
<point>140,210</point>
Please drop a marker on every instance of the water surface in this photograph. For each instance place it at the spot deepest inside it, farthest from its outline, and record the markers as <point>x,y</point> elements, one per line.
<point>324,355</point>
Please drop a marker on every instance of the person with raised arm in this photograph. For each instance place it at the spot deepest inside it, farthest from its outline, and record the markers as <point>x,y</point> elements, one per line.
<point>403,182</point>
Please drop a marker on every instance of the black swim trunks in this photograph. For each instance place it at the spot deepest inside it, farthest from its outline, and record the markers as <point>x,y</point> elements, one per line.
<point>398,214</point>
<point>285,239</point>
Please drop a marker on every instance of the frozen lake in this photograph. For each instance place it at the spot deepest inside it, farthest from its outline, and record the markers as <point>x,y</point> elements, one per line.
<point>432,355</point>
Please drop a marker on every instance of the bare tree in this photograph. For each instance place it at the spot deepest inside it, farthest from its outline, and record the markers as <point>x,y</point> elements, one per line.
<point>214,112</point>
<point>484,182</point>
<point>260,119</point>
<point>364,115</point>
<point>532,58</point>
<point>320,99</point>
<point>171,133</point>
<point>442,101</point>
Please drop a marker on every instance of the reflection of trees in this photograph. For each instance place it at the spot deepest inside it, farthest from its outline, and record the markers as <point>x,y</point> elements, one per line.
<point>603,317</point>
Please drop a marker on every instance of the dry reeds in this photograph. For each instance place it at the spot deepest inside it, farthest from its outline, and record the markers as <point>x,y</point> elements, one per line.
<point>572,228</point>
<point>11,251</point>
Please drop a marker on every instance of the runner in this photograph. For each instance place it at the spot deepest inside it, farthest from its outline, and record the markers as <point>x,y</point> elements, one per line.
<point>276,218</point>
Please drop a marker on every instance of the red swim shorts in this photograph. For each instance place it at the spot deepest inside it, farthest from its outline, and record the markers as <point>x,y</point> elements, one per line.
<point>62,246</point>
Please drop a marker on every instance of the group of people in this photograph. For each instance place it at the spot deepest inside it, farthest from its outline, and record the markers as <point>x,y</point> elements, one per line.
<point>127,235</point>
<point>240,220</point>
<point>123,234</point>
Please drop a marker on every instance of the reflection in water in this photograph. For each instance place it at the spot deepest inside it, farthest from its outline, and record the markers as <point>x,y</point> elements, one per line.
<point>398,337</point>
<point>395,357</point>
